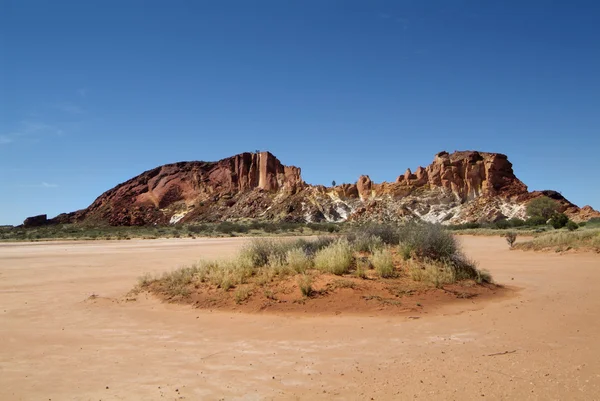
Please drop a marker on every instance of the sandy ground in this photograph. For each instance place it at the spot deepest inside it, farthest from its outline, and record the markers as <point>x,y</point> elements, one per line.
<point>55,345</point>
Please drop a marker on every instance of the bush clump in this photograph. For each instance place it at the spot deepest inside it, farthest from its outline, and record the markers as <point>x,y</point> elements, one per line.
<point>298,260</point>
<point>427,241</point>
<point>431,254</point>
<point>383,263</point>
<point>337,258</point>
<point>543,207</point>
<point>363,242</point>
<point>559,220</point>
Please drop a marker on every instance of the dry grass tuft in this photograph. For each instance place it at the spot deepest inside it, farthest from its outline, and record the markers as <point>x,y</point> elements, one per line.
<point>337,258</point>
<point>242,294</point>
<point>433,273</point>
<point>305,283</point>
<point>384,264</point>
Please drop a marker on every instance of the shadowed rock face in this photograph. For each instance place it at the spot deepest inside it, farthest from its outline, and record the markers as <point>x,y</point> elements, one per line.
<point>455,188</point>
<point>35,221</point>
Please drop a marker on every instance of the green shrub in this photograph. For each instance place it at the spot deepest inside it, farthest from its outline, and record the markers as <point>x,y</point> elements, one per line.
<point>310,247</point>
<point>197,229</point>
<point>559,220</point>
<point>261,251</point>
<point>464,226</point>
<point>572,226</point>
<point>428,240</point>
<point>464,268</point>
<point>269,228</point>
<point>364,242</point>
<point>226,227</point>
<point>502,224</point>
<point>515,222</point>
<point>388,233</point>
<point>542,207</point>
<point>336,258</point>
<point>383,263</point>
<point>406,251</point>
<point>536,221</point>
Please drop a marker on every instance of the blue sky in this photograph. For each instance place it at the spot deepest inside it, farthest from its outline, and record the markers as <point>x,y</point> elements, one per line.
<point>93,93</point>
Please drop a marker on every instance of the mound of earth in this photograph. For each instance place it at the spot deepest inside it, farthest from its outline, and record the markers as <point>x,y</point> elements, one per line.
<point>461,187</point>
<point>332,295</point>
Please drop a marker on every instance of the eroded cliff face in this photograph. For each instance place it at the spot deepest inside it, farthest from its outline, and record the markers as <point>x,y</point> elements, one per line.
<point>455,188</point>
<point>467,175</point>
<point>167,193</point>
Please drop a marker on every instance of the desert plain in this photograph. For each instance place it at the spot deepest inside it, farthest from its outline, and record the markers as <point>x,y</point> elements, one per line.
<point>68,331</point>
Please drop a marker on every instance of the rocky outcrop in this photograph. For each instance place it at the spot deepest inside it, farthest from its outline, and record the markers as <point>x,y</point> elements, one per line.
<point>455,188</point>
<point>35,221</point>
<point>364,187</point>
<point>157,195</point>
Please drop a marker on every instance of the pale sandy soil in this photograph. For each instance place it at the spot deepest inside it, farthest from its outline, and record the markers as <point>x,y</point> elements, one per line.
<point>55,345</point>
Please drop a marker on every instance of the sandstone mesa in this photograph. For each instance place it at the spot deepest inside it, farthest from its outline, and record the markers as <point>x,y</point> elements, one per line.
<point>459,187</point>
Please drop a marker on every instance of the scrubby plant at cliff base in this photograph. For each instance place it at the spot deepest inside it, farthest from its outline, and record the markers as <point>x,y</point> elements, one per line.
<point>588,239</point>
<point>265,264</point>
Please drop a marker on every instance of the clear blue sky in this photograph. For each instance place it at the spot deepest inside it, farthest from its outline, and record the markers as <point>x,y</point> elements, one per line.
<point>93,93</point>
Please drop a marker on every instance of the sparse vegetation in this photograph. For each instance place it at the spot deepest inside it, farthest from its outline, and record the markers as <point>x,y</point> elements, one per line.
<point>105,232</point>
<point>422,252</point>
<point>588,238</point>
<point>242,294</point>
<point>343,283</point>
<point>305,284</point>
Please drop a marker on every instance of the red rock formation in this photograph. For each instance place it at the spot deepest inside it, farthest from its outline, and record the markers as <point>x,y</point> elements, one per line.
<point>363,186</point>
<point>458,187</point>
<point>472,174</point>
<point>142,199</point>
